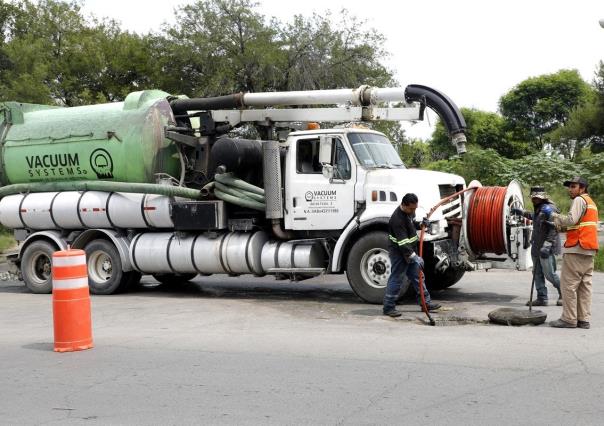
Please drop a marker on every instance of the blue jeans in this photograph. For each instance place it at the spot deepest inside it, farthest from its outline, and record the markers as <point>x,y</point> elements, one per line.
<point>399,268</point>
<point>545,269</point>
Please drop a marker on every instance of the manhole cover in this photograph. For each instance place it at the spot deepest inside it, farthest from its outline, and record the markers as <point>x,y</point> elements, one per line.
<point>514,316</point>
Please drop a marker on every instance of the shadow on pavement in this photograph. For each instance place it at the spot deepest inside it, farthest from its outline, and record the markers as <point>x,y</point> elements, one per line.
<point>41,346</point>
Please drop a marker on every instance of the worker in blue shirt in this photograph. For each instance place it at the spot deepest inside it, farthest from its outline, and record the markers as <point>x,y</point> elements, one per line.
<point>404,260</point>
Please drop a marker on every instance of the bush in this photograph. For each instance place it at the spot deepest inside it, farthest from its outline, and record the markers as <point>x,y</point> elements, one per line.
<point>491,169</point>
<point>6,239</point>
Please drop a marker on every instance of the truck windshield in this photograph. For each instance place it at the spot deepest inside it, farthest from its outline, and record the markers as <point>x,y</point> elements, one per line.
<point>374,150</point>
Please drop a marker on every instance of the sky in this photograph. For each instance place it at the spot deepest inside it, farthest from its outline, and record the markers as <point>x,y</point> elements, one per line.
<point>473,51</point>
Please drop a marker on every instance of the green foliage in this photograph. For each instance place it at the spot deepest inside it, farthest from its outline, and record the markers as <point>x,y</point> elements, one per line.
<point>224,46</point>
<point>57,57</point>
<point>585,125</point>
<point>483,129</point>
<point>321,54</point>
<point>50,53</point>
<point>415,153</point>
<point>6,239</point>
<point>599,261</point>
<point>484,165</point>
<point>491,169</point>
<point>539,105</point>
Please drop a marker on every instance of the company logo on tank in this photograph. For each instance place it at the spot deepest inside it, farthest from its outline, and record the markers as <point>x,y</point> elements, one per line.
<point>102,163</point>
<point>66,165</point>
<point>49,165</point>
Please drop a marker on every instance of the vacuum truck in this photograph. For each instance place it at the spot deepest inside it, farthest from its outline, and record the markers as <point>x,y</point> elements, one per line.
<point>167,186</point>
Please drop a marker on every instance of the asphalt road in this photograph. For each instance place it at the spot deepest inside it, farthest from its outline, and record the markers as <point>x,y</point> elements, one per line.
<point>257,351</point>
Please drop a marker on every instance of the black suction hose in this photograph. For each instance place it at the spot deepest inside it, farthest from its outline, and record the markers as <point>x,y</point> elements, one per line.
<point>444,107</point>
<point>181,106</point>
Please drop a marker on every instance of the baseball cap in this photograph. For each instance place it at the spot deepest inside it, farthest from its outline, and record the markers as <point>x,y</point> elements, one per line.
<point>577,179</point>
<point>538,192</point>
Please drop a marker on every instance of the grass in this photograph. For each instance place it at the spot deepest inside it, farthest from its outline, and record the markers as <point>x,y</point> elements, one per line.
<point>6,241</point>
<point>599,260</point>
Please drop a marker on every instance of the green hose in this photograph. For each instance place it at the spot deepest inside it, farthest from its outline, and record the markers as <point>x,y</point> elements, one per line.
<point>230,180</point>
<point>239,201</point>
<point>239,193</point>
<point>226,187</point>
<point>100,185</point>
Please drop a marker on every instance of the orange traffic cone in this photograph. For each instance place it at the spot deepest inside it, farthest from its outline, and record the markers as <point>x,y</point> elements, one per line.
<point>71,301</point>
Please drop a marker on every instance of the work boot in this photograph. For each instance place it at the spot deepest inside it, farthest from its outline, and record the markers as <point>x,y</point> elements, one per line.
<point>432,307</point>
<point>583,324</point>
<point>560,323</point>
<point>394,313</point>
<point>559,301</point>
<point>537,302</point>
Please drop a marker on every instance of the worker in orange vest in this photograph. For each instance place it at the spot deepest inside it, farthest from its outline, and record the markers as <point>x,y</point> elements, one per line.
<point>581,225</point>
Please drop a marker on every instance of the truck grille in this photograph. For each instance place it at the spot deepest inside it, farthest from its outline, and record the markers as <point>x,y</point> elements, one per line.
<point>453,208</point>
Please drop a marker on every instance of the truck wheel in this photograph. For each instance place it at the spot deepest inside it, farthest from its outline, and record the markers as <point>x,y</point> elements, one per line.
<point>105,275</point>
<point>441,280</point>
<point>368,267</point>
<point>36,266</point>
<point>173,280</point>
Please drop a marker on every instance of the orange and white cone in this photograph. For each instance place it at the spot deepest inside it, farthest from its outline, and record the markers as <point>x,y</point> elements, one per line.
<point>71,301</point>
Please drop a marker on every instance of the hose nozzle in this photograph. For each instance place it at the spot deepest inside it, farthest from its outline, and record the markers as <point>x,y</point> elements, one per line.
<point>459,140</point>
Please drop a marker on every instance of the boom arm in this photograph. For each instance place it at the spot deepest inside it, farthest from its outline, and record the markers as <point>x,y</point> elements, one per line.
<point>357,105</point>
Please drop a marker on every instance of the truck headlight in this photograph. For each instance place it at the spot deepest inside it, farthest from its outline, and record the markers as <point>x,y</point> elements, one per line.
<point>434,228</point>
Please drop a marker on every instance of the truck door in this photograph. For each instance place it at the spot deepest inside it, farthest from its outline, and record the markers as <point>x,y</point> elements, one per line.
<point>313,201</point>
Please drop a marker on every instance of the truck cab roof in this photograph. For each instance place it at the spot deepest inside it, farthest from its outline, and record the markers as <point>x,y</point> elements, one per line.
<point>340,130</point>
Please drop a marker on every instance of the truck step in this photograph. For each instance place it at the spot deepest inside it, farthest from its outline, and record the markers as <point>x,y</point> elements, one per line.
<point>309,271</point>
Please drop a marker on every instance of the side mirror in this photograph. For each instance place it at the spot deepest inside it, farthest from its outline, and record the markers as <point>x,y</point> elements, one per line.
<point>328,171</point>
<point>325,149</point>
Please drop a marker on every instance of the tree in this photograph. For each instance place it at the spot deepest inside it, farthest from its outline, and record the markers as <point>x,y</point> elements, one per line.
<point>483,129</point>
<point>56,56</point>
<point>218,47</point>
<point>539,105</point>
<point>585,125</point>
<point>322,55</point>
<point>224,46</point>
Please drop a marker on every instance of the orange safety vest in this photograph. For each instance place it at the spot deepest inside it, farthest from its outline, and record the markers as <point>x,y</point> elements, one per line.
<point>585,232</point>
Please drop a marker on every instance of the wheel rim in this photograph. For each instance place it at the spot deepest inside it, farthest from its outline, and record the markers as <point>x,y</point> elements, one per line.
<point>40,268</point>
<point>100,268</point>
<point>375,268</point>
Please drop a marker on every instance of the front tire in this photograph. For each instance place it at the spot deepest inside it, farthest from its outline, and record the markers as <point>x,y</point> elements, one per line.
<point>36,267</point>
<point>441,280</point>
<point>368,267</point>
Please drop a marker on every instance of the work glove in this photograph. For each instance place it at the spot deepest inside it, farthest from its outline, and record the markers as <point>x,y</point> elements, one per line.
<point>546,250</point>
<point>517,211</point>
<point>425,223</point>
<point>547,210</point>
<point>419,260</point>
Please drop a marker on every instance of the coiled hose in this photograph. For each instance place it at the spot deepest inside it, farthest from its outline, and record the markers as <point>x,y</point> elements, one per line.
<point>236,191</point>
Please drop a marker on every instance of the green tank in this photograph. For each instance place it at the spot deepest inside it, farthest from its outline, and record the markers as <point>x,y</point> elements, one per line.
<point>122,141</point>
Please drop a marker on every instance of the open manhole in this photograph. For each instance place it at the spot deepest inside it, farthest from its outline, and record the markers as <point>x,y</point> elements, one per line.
<point>451,320</point>
<point>514,316</point>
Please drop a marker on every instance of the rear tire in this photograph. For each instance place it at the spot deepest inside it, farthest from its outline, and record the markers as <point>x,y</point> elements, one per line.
<point>105,275</point>
<point>368,267</point>
<point>36,267</point>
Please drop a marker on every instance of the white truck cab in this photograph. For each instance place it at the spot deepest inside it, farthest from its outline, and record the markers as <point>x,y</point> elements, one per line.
<point>348,182</point>
<point>363,176</point>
